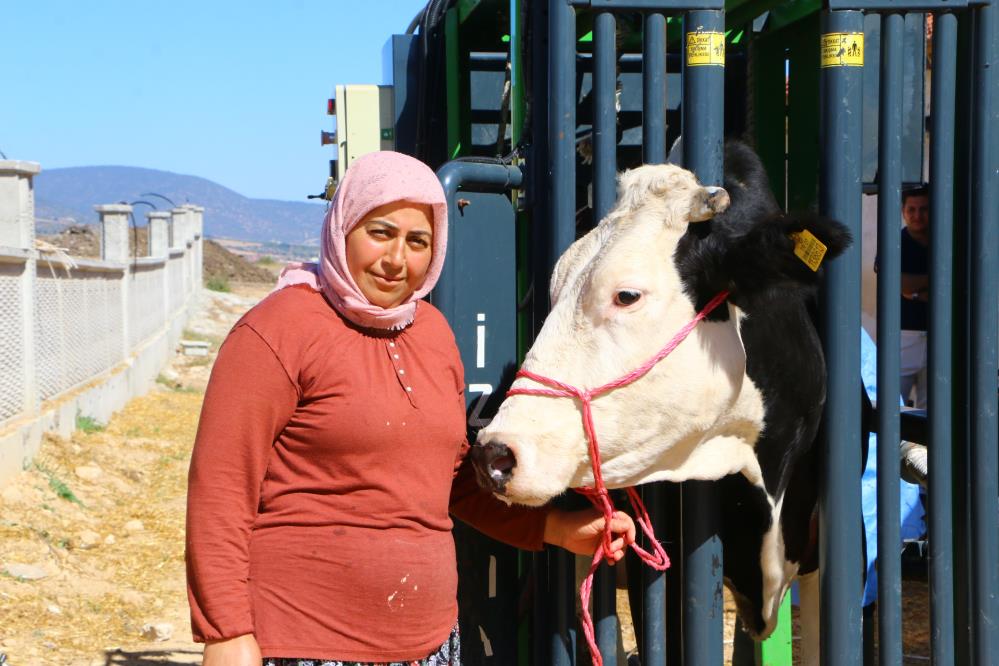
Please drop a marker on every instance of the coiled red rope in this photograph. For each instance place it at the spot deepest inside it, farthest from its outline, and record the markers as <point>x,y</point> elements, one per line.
<point>598,493</point>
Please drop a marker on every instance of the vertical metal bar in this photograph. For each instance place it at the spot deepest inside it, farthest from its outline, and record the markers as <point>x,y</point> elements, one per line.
<point>703,153</point>
<point>985,363</point>
<point>889,323</point>
<point>653,649</point>
<point>604,174</point>
<point>604,114</point>
<point>453,75</point>
<point>538,168</point>
<point>961,359</point>
<point>562,596</point>
<point>539,608</point>
<point>672,537</point>
<point>654,90</point>
<point>940,366</point>
<point>517,105</point>
<point>518,111</point>
<point>839,198</point>
<point>537,205</point>
<point>561,132</point>
<point>562,232</point>
<point>703,100</point>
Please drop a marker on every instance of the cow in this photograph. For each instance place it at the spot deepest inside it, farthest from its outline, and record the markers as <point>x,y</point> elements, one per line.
<point>738,402</point>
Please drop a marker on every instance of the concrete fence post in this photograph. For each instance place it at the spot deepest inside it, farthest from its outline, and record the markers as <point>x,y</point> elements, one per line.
<point>191,215</point>
<point>17,232</point>
<point>189,245</point>
<point>115,249</point>
<point>199,233</point>
<point>17,203</point>
<point>159,234</point>
<point>114,232</point>
<point>178,241</point>
<point>159,247</point>
<point>186,247</point>
<point>178,218</point>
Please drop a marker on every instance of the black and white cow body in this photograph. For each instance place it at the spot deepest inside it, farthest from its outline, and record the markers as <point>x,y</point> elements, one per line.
<point>739,401</point>
<point>784,360</point>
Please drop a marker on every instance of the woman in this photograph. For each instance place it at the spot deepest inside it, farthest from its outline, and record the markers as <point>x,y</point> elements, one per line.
<point>329,452</point>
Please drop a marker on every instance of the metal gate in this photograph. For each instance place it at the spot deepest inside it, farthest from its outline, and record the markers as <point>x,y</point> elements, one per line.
<point>680,617</point>
<point>698,587</point>
<point>961,420</point>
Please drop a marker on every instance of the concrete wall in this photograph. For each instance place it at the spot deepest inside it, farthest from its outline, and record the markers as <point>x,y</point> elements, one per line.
<point>83,337</point>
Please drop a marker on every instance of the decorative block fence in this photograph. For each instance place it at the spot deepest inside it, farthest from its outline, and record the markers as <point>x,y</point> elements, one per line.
<point>83,336</point>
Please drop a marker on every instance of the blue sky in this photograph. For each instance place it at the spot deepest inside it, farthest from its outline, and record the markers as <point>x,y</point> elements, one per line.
<point>231,91</point>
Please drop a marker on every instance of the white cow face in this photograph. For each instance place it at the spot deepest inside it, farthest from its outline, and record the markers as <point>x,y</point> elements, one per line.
<point>617,299</point>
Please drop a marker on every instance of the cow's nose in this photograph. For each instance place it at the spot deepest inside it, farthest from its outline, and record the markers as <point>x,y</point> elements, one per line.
<point>494,463</point>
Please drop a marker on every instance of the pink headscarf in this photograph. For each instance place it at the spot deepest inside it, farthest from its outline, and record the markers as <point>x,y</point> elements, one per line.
<point>372,180</point>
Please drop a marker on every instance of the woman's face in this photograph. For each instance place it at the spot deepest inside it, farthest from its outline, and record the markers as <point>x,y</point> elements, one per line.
<point>389,251</point>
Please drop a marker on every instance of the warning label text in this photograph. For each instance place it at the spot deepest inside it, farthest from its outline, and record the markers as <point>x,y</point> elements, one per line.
<point>705,48</point>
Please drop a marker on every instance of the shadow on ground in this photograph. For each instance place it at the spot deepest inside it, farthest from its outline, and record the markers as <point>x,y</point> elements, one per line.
<point>152,657</point>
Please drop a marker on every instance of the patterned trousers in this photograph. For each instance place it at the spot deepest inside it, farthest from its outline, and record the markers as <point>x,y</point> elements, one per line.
<point>448,654</point>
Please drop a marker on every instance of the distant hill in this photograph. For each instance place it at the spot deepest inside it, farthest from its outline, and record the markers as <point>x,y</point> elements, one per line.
<point>73,192</point>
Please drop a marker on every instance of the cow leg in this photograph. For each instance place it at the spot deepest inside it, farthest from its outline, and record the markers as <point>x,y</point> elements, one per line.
<point>747,533</point>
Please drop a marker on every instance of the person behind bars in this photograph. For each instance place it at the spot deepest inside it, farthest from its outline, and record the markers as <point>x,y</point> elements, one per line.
<point>915,243</point>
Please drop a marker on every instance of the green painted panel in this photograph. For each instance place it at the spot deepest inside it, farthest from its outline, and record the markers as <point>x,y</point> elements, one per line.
<point>466,7</point>
<point>792,11</point>
<point>776,650</point>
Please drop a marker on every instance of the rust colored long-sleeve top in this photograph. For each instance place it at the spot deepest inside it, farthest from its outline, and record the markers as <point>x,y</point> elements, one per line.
<point>321,482</point>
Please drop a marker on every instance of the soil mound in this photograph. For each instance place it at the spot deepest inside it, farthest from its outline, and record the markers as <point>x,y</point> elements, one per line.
<point>221,267</point>
<point>80,241</point>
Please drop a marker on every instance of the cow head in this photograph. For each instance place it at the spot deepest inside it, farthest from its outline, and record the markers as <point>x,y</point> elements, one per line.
<point>618,295</point>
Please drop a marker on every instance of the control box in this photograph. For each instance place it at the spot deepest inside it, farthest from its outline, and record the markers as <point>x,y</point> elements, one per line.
<point>364,121</point>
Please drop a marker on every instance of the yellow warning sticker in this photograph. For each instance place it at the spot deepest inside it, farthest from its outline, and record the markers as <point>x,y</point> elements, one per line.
<point>843,49</point>
<point>706,48</point>
<point>809,249</point>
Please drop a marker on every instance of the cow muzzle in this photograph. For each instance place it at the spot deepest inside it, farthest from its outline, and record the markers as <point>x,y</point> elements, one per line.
<point>494,463</point>
<point>712,200</point>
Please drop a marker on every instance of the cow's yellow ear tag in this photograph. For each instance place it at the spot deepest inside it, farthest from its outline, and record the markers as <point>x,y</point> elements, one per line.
<point>808,248</point>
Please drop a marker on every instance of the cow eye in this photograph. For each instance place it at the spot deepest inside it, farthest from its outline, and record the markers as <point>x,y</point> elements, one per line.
<point>627,297</point>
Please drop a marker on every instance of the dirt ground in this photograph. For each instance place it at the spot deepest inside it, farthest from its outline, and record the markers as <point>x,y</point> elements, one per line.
<point>915,624</point>
<point>92,534</point>
<point>83,240</point>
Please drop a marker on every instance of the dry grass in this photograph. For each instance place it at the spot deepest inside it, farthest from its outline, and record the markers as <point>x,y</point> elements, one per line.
<point>101,589</point>
<point>69,514</point>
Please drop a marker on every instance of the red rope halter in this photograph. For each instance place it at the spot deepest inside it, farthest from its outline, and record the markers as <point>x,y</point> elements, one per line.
<point>598,493</point>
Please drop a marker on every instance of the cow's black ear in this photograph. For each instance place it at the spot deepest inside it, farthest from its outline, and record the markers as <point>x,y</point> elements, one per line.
<point>765,258</point>
<point>834,235</point>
